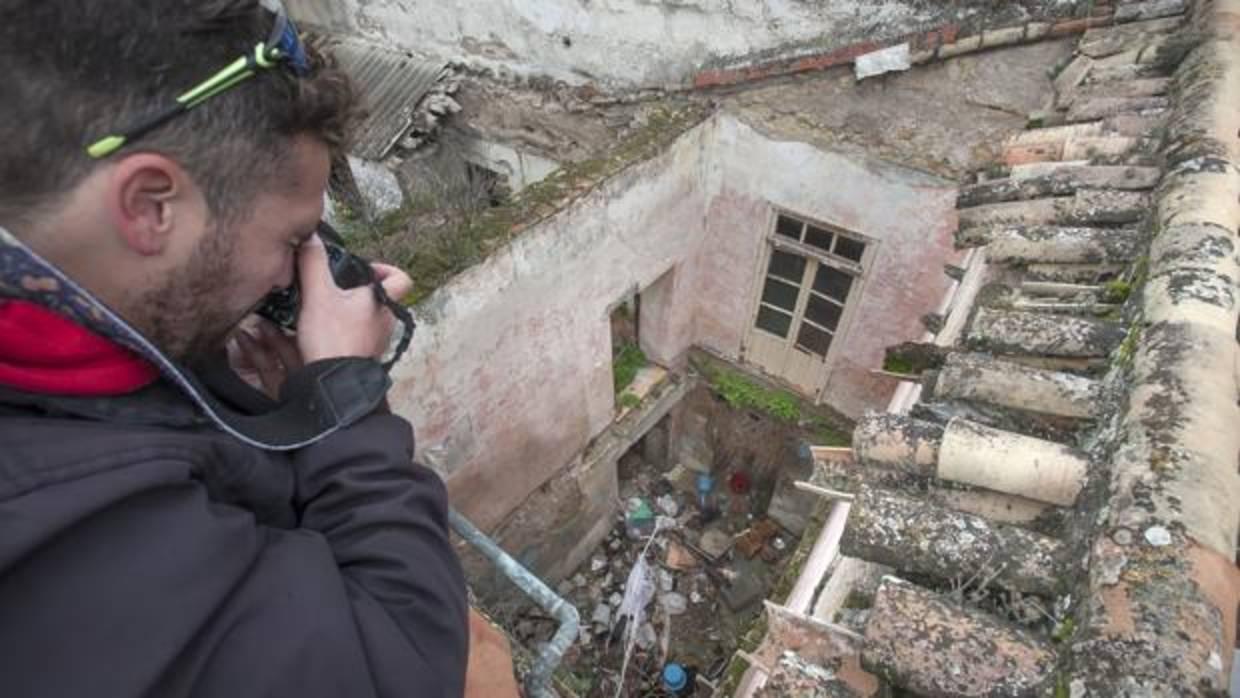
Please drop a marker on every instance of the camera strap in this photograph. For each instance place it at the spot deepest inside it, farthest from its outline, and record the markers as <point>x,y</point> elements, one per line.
<point>322,398</point>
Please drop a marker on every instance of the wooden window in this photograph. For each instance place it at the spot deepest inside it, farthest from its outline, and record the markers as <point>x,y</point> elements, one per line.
<point>808,283</point>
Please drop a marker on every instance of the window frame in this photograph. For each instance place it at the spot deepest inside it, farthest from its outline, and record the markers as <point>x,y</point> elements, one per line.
<point>775,241</point>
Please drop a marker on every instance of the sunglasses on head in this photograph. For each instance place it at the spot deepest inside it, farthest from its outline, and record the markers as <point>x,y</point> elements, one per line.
<point>282,49</point>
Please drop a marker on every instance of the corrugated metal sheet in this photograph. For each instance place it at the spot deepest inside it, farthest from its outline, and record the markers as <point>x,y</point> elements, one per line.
<point>392,84</point>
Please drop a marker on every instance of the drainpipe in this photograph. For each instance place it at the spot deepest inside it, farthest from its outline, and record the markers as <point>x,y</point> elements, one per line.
<point>538,680</point>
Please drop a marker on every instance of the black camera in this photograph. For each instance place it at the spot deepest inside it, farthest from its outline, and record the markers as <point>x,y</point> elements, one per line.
<point>348,270</point>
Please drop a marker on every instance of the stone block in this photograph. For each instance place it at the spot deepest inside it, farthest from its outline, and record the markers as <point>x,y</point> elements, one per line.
<point>380,189</point>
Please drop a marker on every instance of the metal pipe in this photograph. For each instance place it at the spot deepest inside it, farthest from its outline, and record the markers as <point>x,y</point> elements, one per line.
<point>538,680</point>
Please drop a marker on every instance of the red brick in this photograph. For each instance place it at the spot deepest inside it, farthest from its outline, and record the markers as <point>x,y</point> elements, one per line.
<point>928,41</point>
<point>707,78</point>
<point>948,33</point>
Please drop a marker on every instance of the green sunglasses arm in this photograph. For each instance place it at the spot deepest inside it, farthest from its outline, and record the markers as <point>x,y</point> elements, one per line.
<point>236,73</point>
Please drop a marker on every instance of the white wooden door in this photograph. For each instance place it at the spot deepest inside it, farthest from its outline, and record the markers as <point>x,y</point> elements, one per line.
<point>801,303</point>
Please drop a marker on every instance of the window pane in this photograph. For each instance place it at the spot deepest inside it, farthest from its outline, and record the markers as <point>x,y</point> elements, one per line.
<point>788,228</point>
<point>780,294</point>
<point>814,339</point>
<point>819,238</point>
<point>849,249</point>
<point>832,283</point>
<point>773,321</point>
<point>787,266</point>
<point>823,312</point>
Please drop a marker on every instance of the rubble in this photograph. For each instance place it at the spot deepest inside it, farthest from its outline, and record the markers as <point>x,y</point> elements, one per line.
<point>695,593</point>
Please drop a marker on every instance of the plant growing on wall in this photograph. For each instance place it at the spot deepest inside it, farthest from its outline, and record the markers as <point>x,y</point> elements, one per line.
<point>629,359</point>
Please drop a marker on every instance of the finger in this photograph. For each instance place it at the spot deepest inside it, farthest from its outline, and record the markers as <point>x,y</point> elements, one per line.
<point>270,372</point>
<point>314,274</point>
<point>382,271</point>
<point>284,347</point>
<point>396,283</point>
<point>238,358</point>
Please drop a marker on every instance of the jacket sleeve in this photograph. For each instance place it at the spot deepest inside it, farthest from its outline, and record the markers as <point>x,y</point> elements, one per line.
<point>385,519</point>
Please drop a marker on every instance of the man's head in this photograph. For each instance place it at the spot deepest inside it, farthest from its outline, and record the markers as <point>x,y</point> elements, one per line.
<point>185,229</point>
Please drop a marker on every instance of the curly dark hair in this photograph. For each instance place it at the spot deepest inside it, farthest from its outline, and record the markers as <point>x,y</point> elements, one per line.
<point>77,70</point>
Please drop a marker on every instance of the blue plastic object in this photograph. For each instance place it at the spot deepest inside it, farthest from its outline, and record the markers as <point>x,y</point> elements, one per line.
<point>674,677</point>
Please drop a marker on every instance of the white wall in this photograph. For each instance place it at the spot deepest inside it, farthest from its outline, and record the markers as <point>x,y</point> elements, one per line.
<point>908,216</point>
<point>521,168</point>
<point>624,42</point>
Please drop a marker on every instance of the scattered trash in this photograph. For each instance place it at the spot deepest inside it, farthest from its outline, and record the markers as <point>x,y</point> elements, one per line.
<point>602,616</point>
<point>638,591</point>
<point>666,581</point>
<point>679,557</point>
<point>646,636</point>
<point>664,585</point>
<point>715,542</point>
<point>638,518</point>
<point>667,504</point>
<point>750,542</point>
<point>706,501</point>
<point>678,680</point>
<point>747,585</point>
<point>674,603</point>
<point>666,523</point>
<point>1157,536</point>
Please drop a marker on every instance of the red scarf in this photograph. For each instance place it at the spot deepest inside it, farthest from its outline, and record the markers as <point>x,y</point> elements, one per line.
<point>43,352</point>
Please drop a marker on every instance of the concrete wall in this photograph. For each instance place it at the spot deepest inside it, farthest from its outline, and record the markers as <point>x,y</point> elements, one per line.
<point>639,42</point>
<point>519,167</point>
<point>909,217</point>
<point>509,378</point>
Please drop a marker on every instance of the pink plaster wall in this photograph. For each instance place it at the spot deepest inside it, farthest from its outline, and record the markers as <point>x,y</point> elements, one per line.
<point>509,378</point>
<point>909,216</point>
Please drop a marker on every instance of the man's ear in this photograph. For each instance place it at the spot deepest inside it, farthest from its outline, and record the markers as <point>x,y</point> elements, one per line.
<point>151,197</point>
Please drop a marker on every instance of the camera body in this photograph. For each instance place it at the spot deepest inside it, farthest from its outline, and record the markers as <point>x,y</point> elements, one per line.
<point>347,269</point>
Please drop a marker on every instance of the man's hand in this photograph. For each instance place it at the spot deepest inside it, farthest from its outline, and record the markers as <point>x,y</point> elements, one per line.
<point>262,355</point>
<point>335,323</point>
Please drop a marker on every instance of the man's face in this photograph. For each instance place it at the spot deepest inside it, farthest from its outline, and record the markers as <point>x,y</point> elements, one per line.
<point>231,269</point>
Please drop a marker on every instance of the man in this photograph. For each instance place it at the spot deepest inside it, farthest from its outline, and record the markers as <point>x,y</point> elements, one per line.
<point>153,543</point>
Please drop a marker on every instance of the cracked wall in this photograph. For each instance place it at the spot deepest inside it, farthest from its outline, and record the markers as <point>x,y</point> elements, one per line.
<point>628,43</point>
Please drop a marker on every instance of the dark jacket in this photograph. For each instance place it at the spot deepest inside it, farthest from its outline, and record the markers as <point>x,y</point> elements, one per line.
<point>143,553</point>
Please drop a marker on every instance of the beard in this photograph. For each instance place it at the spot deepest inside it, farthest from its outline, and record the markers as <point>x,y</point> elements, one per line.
<point>188,316</point>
